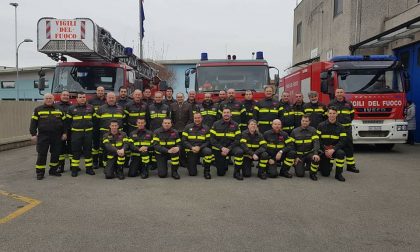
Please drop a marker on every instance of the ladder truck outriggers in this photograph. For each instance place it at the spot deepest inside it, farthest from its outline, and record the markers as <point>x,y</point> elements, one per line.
<point>103,60</point>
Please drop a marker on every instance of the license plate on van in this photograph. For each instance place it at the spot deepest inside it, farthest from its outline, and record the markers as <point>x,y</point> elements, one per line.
<point>375,128</point>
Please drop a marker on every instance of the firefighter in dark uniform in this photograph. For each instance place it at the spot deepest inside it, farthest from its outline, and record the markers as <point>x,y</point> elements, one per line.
<point>134,110</point>
<point>236,108</point>
<point>96,102</point>
<point>225,141</point>
<point>196,106</point>
<point>140,146</point>
<point>196,140</point>
<point>64,104</point>
<point>157,111</point>
<point>80,118</point>
<point>115,143</point>
<point>298,109</point>
<point>286,113</point>
<point>316,110</point>
<point>249,105</point>
<point>123,98</point>
<point>266,110</point>
<point>254,146</point>
<point>169,99</point>
<point>147,96</point>
<point>222,96</point>
<point>108,112</point>
<point>47,130</point>
<point>280,150</point>
<point>166,143</point>
<point>306,145</point>
<point>332,137</point>
<point>345,117</point>
<point>210,110</point>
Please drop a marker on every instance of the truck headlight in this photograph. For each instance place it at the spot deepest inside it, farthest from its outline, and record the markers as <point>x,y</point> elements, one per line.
<point>401,127</point>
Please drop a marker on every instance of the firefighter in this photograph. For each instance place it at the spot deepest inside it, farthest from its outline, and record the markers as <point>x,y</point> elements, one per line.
<point>345,117</point>
<point>181,113</point>
<point>248,104</point>
<point>225,141</point>
<point>222,96</point>
<point>96,102</point>
<point>141,147</point>
<point>169,99</point>
<point>266,110</point>
<point>196,106</point>
<point>298,109</point>
<point>196,141</point>
<point>157,111</point>
<point>134,110</point>
<point>306,145</point>
<point>280,150</point>
<point>147,96</point>
<point>116,143</point>
<point>286,113</point>
<point>316,110</point>
<point>332,141</point>
<point>80,119</point>
<point>210,110</point>
<point>166,143</point>
<point>236,108</point>
<point>254,146</point>
<point>106,113</point>
<point>47,130</point>
<point>64,104</point>
<point>123,98</point>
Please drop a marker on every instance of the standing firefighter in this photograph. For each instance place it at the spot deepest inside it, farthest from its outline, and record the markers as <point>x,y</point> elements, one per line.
<point>298,109</point>
<point>315,109</point>
<point>196,140</point>
<point>332,140</point>
<point>345,116</point>
<point>286,114</point>
<point>116,144</point>
<point>249,105</point>
<point>80,118</point>
<point>280,150</point>
<point>48,130</point>
<point>166,143</point>
<point>209,111</point>
<point>134,110</point>
<point>141,146</point>
<point>254,146</point>
<point>157,112</point>
<point>266,110</point>
<point>64,104</point>
<point>236,108</point>
<point>306,146</point>
<point>96,102</point>
<point>225,141</point>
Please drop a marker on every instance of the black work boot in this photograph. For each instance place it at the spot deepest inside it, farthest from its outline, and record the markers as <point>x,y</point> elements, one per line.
<point>339,175</point>
<point>40,174</point>
<point>174,172</point>
<point>237,174</point>
<point>90,171</point>
<point>144,174</point>
<point>286,174</point>
<point>313,176</point>
<point>95,162</point>
<point>53,172</point>
<point>262,174</point>
<point>120,173</point>
<point>207,173</point>
<point>74,171</point>
<point>352,168</point>
<point>61,166</point>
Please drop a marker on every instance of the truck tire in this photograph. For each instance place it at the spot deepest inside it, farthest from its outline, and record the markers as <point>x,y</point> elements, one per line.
<point>384,147</point>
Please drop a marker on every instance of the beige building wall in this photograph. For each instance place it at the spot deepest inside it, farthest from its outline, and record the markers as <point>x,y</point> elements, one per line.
<point>325,35</point>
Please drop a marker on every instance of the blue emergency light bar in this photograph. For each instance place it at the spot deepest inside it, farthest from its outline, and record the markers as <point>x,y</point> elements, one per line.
<point>128,51</point>
<point>363,58</point>
<point>204,56</point>
<point>260,55</point>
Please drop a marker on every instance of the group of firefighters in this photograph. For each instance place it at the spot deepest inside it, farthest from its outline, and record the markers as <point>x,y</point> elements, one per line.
<point>144,133</point>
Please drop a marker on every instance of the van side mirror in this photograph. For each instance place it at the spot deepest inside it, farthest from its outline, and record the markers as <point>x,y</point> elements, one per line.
<point>407,84</point>
<point>276,80</point>
<point>187,79</point>
<point>41,81</point>
<point>325,81</point>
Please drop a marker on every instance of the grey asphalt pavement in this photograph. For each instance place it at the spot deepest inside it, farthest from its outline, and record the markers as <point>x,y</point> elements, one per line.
<point>376,210</point>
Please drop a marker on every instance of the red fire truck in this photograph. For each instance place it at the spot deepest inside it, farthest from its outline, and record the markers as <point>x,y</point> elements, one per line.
<point>375,84</point>
<point>241,75</point>
<point>103,60</point>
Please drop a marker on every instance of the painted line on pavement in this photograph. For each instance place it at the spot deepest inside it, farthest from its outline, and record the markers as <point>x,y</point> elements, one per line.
<point>31,204</point>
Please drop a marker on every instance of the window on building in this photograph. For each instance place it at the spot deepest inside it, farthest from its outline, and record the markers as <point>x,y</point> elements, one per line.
<point>299,33</point>
<point>36,84</point>
<point>7,84</point>
<point>338,7</point>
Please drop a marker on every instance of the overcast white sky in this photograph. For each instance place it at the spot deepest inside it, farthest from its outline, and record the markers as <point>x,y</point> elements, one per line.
<point>174,29</point>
